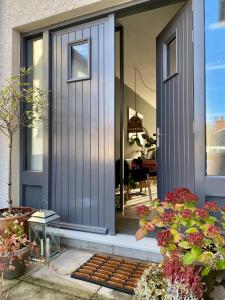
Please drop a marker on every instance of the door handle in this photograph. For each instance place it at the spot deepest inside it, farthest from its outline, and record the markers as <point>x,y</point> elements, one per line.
<point>158,134</point>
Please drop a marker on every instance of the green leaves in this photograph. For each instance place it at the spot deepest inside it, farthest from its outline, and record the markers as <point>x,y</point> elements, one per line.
<point>192,230</point>
<point>207,242</point>
<point>192,256</point>
<point>184,245</point>
<point>188,259</point>
<point>196,252</point>
<point>15,94</point>
<point>220,265</point>
<point>172,247</point>
<point>205,271</point>
<point>211,220</point>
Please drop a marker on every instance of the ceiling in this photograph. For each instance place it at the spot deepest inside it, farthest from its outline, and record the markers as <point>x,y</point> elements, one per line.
<point>140,32</point>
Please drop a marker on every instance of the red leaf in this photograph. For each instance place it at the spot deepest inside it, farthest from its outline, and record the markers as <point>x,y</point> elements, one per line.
<point>140,234</point>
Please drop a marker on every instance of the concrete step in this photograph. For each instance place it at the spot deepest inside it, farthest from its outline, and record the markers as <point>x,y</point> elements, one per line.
<point>119,244</point>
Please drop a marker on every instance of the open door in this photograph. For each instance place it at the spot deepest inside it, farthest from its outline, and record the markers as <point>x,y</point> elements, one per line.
<point>82,190</point>
<point>175,138</point>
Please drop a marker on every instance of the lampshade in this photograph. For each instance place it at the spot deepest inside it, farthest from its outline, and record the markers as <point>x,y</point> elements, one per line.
<point>135,124</point>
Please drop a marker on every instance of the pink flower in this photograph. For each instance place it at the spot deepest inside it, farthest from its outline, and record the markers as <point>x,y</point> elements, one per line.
<point>181,195</point>
<point>168,217</point>
<point>142,210</point>
<point>195,239</point>
<point>186,213</point>
<point>212,231</point>
<point>210,206</point>
<point>201,213</point>
<point>163,238</point>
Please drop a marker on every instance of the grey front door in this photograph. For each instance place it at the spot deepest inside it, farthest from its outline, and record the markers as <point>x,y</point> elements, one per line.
<point>175,153</point>
<point>82,187</point>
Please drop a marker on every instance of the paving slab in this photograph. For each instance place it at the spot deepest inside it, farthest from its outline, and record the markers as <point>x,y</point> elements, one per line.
<point>57,275</point>
<point>8,284</point>
<point>106,293</point>
<point>31,268</point>
<point>26,291</point>
<point>218,293</point>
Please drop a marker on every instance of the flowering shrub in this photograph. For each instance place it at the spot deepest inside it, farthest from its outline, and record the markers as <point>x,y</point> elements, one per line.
<point>14,239</point>
<point>182,228</point>
<point>186,276</point>
<point>169,281</point>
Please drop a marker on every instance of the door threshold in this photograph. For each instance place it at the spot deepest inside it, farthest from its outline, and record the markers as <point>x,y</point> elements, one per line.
<point>119,244</point>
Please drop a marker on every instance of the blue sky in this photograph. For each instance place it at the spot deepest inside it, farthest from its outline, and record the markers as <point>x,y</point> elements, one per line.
<point>215,61</point>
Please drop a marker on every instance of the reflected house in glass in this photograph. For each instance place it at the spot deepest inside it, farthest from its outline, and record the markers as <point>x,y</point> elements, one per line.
<point>216,147</point>
<point>44,231</point>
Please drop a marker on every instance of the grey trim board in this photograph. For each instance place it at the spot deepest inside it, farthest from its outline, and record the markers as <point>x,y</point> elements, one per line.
<point>85,228</point>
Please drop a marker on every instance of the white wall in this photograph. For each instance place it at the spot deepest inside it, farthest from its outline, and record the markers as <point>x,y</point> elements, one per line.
<point>18,16</point>
<point>140,32</point>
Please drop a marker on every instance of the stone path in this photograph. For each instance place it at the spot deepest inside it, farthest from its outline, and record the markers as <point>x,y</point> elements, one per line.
<point>54,282</point>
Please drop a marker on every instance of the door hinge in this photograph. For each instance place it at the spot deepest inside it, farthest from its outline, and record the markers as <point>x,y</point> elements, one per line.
<point>193,126</point>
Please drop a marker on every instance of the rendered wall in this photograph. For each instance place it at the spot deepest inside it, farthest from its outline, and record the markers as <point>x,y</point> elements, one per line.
<point>18,16</point>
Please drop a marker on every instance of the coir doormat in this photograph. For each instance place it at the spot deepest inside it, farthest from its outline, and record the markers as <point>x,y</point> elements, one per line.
<point>112,272</point>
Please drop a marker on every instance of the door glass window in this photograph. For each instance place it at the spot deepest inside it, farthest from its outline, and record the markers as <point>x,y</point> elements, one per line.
<point>215,86</point>
<point>79,61</point>
<point>34,158</point>
<point>172,57</point>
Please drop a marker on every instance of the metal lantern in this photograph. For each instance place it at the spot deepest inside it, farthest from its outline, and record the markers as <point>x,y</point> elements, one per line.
<point>44,231</point>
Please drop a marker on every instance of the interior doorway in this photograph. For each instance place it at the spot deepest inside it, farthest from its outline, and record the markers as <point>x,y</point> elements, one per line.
<point>137,165</point>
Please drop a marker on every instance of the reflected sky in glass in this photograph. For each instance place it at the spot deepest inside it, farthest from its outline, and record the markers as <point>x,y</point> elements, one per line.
<point>215,60</point>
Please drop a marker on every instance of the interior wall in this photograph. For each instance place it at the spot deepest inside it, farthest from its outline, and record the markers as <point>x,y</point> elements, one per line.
<point>144,108</point>
<point>140,32</point>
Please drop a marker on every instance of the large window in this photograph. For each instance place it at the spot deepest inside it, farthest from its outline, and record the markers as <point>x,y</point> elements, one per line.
<point>34,159</point>
<point>215,86</point>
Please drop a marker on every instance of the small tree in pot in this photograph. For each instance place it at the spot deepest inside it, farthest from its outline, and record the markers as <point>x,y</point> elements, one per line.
<point>21,105</point>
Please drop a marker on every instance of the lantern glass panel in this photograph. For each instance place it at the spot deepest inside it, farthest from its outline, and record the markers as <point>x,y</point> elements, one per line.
<point>46,236</point>
<point>52,239</point>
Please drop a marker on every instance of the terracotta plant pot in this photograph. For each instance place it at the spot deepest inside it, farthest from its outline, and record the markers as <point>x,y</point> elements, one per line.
<point>4,221</point>
<point>14,264</point>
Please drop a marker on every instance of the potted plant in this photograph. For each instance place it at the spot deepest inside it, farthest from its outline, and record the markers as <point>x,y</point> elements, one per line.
<point>147,148</point>
<point>193,234</point>
<point>14,250</point>
<point>15,95</point>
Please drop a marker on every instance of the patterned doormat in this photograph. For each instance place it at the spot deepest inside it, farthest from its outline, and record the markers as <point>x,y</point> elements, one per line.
<point>112,272</point>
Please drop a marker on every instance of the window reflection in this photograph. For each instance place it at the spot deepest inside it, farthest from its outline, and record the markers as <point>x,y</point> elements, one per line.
<point>80,61</point>
<point>171,57</point>
<point>215,86</point>
<point>35,135</point>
